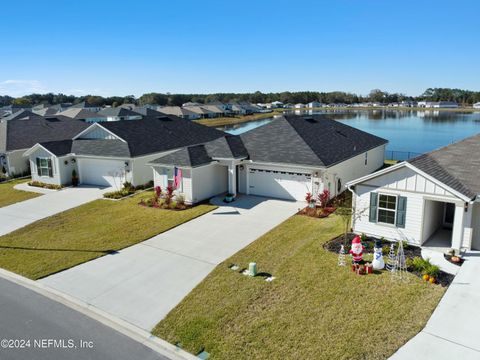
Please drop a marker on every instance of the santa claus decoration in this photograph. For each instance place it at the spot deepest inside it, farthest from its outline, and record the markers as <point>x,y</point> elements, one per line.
<point>357,249</point>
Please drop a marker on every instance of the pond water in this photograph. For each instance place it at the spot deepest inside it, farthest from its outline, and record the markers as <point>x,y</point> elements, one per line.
<point>407,131</point>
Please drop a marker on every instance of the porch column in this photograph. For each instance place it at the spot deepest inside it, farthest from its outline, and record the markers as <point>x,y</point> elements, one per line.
<point>467,228</point>
<point>457,231</point>
<point>232,179</point>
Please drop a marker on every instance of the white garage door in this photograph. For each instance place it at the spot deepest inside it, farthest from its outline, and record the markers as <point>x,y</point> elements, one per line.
<point>279,184</point>
<point>101,172</point>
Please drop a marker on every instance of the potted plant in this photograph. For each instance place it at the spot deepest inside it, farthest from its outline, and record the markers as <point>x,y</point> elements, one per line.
<point>74,178</point>
<point>229,198</point>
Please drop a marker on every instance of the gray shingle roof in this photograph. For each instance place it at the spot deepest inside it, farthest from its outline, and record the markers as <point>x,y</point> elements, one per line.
<point>456,165</point>
<point>117,111</point>
<point>156,134</point>
<point>307,140</point>
<point>24,133</point>
<point>189,156</point>
<point>99,147</point>
<point>58,148</point>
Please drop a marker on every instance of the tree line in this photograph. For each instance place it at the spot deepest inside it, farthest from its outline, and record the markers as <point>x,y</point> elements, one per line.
<point>463,97</point>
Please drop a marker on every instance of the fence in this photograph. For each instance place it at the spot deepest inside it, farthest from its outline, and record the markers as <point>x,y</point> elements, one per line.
<point>400,155</point>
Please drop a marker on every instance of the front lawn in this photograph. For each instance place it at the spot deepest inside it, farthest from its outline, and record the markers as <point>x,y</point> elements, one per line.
<point>85,233</point>
<point>314,309</point>
<point>9,196</point>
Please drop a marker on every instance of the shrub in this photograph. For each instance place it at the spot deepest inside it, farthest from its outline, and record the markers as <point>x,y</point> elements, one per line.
<point>432,271</point>
<point>323,197</point>
<point>308,197</point>
<point>169,195</point>
<point>180,199</point>
<point>419,264</point>
<point>44,185</point>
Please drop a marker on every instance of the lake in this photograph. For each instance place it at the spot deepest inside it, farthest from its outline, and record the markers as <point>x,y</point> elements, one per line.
<point>407,131</point>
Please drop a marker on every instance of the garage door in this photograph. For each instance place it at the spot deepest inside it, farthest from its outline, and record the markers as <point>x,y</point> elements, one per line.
<point>279,184</point>
<point>101,172</point>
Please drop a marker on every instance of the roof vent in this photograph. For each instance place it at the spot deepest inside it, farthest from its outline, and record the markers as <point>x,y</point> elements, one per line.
<point>311,120</point>
<point>340,133</point>
<point>164,118</point>
<point>52,119</point>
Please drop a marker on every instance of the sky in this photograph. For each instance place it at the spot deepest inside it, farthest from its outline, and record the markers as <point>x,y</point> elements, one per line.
<point>111,48</point>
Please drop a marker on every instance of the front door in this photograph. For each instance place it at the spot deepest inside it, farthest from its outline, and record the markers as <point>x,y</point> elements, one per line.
<point>449,215</point>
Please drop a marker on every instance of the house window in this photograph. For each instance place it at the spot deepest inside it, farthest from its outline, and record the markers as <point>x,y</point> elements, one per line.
<point>44,167</point>
<point>170,177</point>
<point>387,208</point>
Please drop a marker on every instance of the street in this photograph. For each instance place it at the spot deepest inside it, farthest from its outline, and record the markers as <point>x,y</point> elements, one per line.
<point>35,327</point>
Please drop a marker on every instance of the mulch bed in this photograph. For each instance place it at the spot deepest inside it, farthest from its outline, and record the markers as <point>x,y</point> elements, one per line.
<point>317,211</point>
<point>410,251</point>
<point>449,259</point>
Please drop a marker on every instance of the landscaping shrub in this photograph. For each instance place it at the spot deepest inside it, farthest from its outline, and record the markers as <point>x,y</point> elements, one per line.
<point>119,193</point>
<point>432,271</point>
<point>44,185</point>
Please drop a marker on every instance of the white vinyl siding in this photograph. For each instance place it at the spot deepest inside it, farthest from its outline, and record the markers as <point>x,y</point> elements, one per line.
<point>41,153</point>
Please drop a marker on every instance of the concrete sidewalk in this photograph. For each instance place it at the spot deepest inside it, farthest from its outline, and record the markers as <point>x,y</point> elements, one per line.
<point>453,330</point>
<point>18,215</point>
<point>142,283</point>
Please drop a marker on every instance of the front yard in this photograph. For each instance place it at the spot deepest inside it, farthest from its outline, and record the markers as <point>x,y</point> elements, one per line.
<point>314,309</point>
<point>85,233</point>
<point>9,196</point>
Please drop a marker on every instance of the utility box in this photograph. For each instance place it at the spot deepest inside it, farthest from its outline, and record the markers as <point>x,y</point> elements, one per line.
<point>252,269</point>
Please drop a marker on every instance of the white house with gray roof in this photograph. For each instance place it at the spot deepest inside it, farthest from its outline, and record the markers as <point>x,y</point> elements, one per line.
<point>431,200</point>
<point>285,159</point>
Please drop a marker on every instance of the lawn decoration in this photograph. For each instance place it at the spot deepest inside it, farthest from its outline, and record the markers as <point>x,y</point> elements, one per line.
<point>357,249</point>
<point>341,256</point>
<point>378,263</point>
<point>400,269</point>
<point>391,258</point>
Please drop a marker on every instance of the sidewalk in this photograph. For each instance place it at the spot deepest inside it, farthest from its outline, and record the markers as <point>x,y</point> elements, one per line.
<point>453,330</point>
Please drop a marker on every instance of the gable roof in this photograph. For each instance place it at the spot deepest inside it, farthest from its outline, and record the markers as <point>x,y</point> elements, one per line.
<point>156,134</point>
<point>84,105</point>
<point>190,156</point>
<point>117,111</point>
<point>307,140</point>
<point>455,165</point>
<point>58,148</point>
<point>22,114</point>
<point>24,133</point>
<point>175,110</point>
<point>80,114</point>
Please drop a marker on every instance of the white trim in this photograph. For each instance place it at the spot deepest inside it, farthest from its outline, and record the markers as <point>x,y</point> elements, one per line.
<point>34,148</point>
<point>97,125</point>
<point>386,209</point>
<point>415,169</point>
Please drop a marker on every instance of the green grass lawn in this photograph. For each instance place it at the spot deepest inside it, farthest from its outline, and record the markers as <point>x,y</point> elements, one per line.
<point>232,120</point>
<point>312,310</point>
<point>85,233</point>
<point>9,196</point>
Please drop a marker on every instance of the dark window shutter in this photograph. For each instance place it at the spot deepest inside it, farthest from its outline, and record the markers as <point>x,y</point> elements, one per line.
<point>373,207</point>
<point>401,211</point>
<point>50,168</point>
<point>38,167</point>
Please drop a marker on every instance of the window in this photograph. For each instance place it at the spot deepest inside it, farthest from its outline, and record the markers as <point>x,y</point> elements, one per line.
<point>170,177</point>
<point>387,208</point>
<point>44,167</point>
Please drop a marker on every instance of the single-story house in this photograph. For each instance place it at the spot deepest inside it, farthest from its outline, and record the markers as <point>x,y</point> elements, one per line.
<point>178,111</point>
<point>20,133</point>
<point>87,106</point>
<point>118,114</point>
<point>285,159</point>
<point>82,114</point>
<point>314,104</point>
<point>431,200</point>
<point>476,105</point>
<point>299,106</point>
<point>110,153</point>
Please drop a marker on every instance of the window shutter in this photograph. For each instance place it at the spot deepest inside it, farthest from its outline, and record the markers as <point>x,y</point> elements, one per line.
<point>38,167</point>
<point>373,207</point>
<point>401,211</point>
<point>50,168</point>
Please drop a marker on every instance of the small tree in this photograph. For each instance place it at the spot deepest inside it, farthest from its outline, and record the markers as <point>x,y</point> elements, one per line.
<point>348,214</point>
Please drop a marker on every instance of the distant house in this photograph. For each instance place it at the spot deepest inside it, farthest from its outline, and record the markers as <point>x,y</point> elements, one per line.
<point>314,104</point>
<point>12,109</point>
<point>431,200</point>
<point>202,111</point>
<point>476,105</point>
<point>218,110</point>
<point>22,132</point>
<point>299,106</point>
<point>45,111</point>
<point>191,103</point>
<point>82,114</point>
<point>118,114</point>
<point>110,153</point>
<point>87,106</point>
<point>440,104</point>
<point>183,113</point>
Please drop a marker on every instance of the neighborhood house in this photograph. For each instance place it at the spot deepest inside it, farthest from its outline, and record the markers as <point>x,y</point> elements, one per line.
<point>430,200</point>
<point>285,159</point>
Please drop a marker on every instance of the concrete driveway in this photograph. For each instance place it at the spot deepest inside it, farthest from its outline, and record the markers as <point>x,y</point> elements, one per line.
<point>453,330</point>
<point>18,215</point>
<point>142,283</point>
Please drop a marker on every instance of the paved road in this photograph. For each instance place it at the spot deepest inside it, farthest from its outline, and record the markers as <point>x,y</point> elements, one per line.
<point>18,215</point>
<point>142,283</point>
<point>452,331</point>
<point>27,315</point>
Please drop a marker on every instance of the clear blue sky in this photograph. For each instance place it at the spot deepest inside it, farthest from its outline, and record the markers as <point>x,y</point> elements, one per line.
<point>109,48</point>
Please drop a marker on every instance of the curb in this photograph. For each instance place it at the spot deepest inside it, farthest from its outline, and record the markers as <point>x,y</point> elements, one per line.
<point>142,336</point>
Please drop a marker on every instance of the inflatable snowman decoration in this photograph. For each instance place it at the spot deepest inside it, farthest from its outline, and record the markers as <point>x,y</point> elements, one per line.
<point>378,263</point>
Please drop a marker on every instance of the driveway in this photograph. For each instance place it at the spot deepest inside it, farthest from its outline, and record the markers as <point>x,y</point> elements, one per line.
<point>18,215</point>
<point>142,283</point>
<point>453,330</point>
